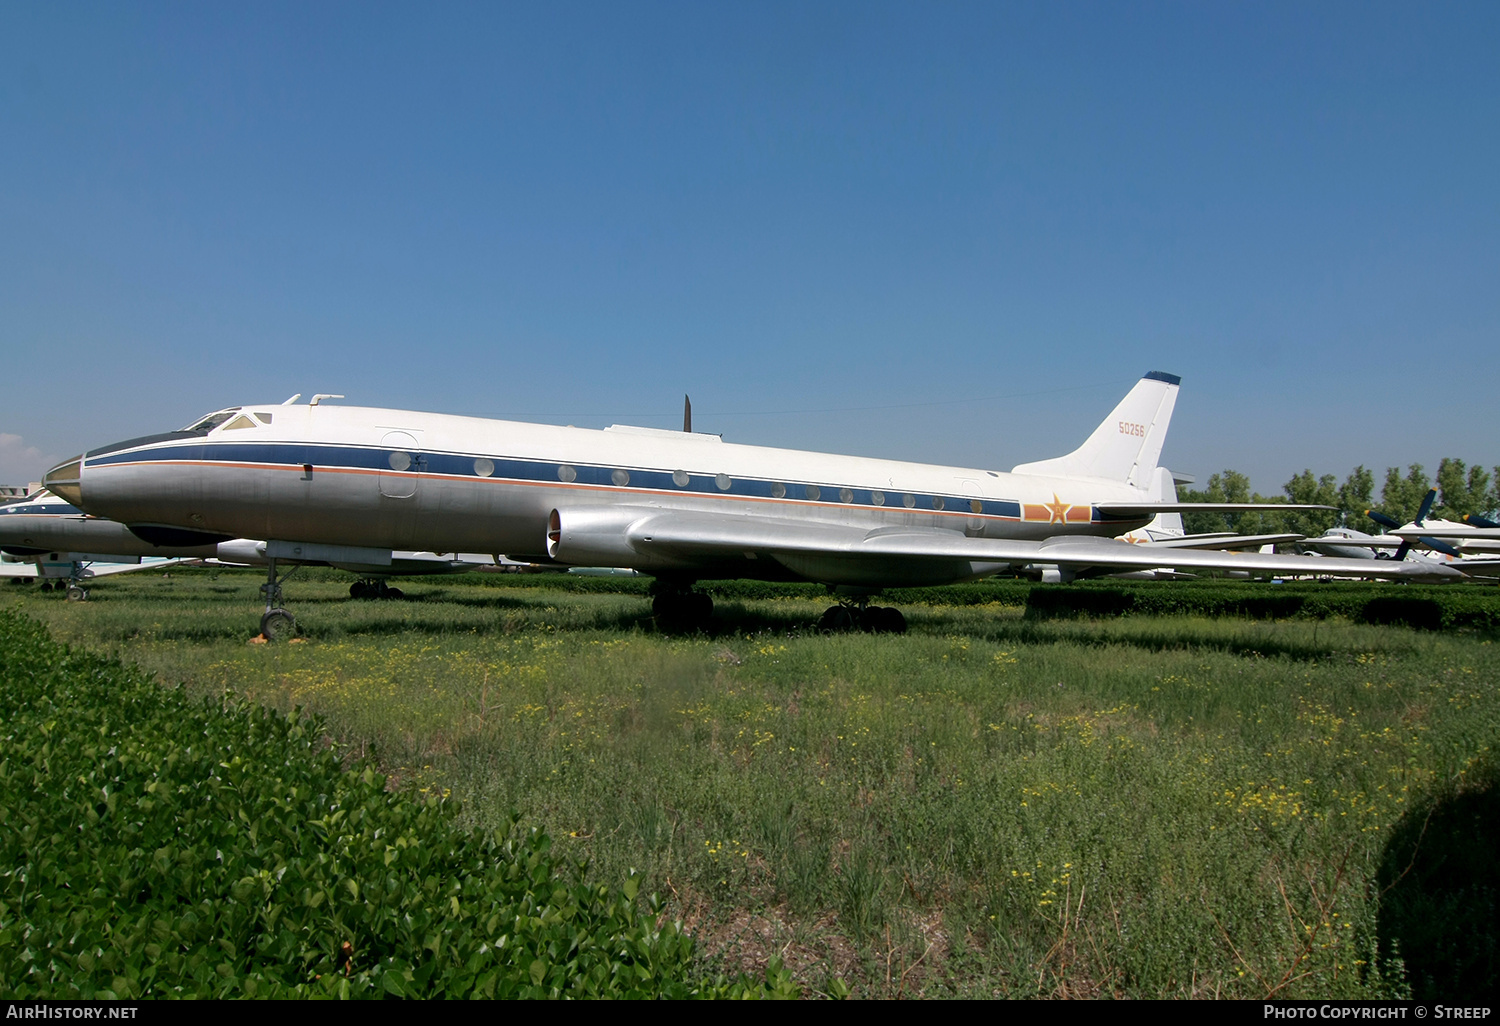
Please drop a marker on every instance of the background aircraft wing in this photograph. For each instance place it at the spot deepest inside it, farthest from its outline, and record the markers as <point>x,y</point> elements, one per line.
<point>1374,541</point>
<point>1151,509</point>
<point>1222,541</point>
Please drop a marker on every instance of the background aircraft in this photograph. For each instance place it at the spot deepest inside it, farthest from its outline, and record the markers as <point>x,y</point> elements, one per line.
<point>1461,547</point>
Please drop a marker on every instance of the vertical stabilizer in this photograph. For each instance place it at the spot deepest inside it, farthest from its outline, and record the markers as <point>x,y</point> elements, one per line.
<point>1128,444</point>
<point>1166,525</point>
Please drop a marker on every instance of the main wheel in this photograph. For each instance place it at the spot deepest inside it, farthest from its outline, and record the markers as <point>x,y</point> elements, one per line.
<point>700,609</point>
<point>357,590</point>
<point>885,620</point>
<point>277,625</point>
<point>836,620</point>
<point>77,594</point>
<point>393,593</point>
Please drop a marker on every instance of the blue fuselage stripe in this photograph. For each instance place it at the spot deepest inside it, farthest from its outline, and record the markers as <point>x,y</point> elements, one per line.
<point>457,465</point>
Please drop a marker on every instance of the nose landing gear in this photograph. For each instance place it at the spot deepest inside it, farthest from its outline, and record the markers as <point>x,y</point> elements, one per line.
<point>277,624</point>
<point>76,576</point>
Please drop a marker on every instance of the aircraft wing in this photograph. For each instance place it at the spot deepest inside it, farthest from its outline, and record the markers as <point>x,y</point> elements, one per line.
<point>106,569</point>
<point>707,536</point>
<point>55,569</point>
<point>1483,567</point>
<point>1460,533</point>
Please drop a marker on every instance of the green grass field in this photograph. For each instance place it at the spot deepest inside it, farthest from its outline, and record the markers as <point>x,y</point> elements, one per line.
<point>993,804</point>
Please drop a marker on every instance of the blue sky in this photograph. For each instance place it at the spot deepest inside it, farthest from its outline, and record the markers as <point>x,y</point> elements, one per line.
<point>943,232</point>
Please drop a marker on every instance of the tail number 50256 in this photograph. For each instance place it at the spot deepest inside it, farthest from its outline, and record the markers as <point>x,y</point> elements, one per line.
<point>1127,428</point>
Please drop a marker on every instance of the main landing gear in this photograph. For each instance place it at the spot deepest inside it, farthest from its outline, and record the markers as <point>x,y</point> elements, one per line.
<point>277,624</point>
<point>373,588</point>
<point>679,610</point>
<point>861,616</point>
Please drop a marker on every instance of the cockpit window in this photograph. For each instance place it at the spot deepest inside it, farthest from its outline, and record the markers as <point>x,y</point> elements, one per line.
<point>264,418</point>
<point>213,420</point>
<point>239,422</point>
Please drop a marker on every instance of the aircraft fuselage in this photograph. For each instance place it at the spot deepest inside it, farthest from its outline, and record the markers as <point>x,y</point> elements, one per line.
<point>392,479</point>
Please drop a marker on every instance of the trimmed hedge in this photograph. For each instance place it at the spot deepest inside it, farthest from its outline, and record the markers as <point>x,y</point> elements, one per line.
<point>1442,608</point>
<point>152,847</point>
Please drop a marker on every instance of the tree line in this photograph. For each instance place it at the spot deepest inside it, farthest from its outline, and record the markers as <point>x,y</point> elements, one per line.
<point>1462,489</point>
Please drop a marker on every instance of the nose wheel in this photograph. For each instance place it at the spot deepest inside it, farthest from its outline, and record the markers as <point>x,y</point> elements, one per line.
<point>277,623</point>
<point>76,591</point>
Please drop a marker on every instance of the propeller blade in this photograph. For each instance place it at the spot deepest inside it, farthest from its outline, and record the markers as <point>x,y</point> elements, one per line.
<point>1382,519</point>
<point>1400,553</point>
<point>1475,520</point>
<point>1426,508</point>
<point>1440,546</point>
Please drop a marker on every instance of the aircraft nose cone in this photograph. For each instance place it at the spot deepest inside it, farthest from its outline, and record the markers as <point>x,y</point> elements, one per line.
<point>66,480</point>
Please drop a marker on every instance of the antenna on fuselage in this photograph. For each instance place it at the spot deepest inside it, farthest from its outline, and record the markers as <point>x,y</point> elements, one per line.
<point>687,414</point>
<point>323,395</point>
<point>292,399</point>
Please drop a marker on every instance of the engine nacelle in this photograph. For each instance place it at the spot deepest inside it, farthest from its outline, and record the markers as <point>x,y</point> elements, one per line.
<point>242,550</point>
<point>602,536</point>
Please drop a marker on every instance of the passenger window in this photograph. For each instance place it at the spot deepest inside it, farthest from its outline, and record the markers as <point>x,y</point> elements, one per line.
<point>908,500</point>
<point>878,498</point>
<point>778,490</point>
<point>814,492</point>
<point>846,495</point>
<point>937,502</point>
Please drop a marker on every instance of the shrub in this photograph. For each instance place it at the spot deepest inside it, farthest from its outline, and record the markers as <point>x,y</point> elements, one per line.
<point>1433,608</point>
<point>156,848</point>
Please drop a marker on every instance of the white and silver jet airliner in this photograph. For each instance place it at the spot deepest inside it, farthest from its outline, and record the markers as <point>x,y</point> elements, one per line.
<point>356,483</point>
